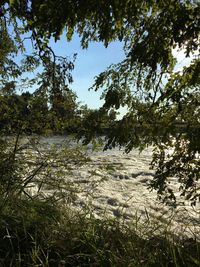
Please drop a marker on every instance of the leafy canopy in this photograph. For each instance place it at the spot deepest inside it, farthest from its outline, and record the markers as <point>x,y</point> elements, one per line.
<point>162,103</point>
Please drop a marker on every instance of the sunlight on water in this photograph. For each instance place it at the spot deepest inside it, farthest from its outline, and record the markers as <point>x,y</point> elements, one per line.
<point>115,184</point>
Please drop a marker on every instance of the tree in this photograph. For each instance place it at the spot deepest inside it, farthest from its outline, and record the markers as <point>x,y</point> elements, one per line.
<point>96,123</point>
<point>162,103</point>
<point>54,83</point>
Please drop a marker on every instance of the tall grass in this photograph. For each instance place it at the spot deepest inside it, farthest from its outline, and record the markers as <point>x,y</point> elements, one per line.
<point>41,234</point>
<point>44,230</point>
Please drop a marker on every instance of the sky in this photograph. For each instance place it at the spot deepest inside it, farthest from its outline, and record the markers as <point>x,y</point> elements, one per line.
<point>92,61</point>
<point>89,63</point>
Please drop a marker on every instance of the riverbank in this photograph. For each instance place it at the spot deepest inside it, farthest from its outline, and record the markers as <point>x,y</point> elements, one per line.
<point>65,205</point>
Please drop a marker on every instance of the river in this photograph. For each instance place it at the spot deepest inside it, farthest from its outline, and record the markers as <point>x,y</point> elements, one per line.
<point>115,184</point>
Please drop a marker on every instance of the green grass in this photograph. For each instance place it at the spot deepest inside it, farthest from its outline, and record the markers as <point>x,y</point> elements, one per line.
<point>39,233</point>
<point>46,231</point>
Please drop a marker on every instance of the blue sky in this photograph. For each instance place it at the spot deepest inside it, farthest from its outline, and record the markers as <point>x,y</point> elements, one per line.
<point>89,63</point>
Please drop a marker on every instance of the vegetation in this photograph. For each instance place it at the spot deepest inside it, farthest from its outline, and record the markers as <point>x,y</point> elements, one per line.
<point>40,229</point>
<point>75,240</point>
<point>21,113</point>
<point>156,94</point>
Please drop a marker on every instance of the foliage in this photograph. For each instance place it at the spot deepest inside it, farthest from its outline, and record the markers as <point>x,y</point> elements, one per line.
<point>162,102</point>
<point>33,187</point>
<point>95,123</point>
<point>39,227</point>
<point>34,114</point>
<point>37,234</point>
<point>158,97</point>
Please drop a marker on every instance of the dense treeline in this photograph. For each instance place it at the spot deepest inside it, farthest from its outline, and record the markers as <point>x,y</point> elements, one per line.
<point>33,113</point>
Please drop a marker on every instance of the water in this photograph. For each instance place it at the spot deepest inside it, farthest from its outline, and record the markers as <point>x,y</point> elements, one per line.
<point>115,184</point>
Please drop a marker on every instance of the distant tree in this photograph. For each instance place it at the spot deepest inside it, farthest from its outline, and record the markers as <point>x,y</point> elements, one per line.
<point>156,95</point>
<point>94,123</point>
<point>53,83</point>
